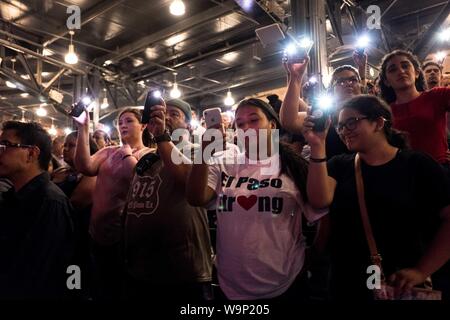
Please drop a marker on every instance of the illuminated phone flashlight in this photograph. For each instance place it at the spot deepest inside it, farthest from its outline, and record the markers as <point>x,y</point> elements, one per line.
<point>291,49</point>
<point>306,43</point>
<point>313,80</point>
<point>157,94</point>
<point>86,100</point>
<point>324,104</point>
<point>362,42</point>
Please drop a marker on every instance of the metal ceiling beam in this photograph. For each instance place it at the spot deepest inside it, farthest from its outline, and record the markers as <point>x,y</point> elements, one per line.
<point>30,73</point>
<point>408,14</point>
<point>26,86</point>
<point>203,56</point>
<point>55,62</point>
<point>87,16</point>
<point>176,28</point>
<point>54,79</point>
<point>269,70</point>
<point>336,23</point>
<point>427,40</point>
<point>219,38</point>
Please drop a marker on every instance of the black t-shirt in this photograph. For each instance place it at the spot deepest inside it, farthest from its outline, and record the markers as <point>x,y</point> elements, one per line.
<point>404,198</point>
<point>334,145</point>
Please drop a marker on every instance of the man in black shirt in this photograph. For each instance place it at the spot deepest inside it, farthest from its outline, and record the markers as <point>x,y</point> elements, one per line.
<point>36,230</point>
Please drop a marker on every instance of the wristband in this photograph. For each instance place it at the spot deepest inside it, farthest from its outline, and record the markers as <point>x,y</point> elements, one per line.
<point>318,160</point>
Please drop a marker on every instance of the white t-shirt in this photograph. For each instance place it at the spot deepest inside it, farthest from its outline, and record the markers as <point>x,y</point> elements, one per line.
<point>260,247</point>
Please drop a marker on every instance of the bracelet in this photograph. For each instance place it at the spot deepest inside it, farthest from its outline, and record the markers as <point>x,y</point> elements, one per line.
<point>126,156</point>
<point>318,160</point>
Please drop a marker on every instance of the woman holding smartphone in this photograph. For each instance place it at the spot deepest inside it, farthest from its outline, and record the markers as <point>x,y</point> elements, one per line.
<point>113,166</point>
<point>406,196</point>
<point>261,200</point>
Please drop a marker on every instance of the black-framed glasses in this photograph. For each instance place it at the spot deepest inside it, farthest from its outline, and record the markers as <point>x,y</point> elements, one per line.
<point>350,124</point>
<point>343,81</point>
<point>6,144</point>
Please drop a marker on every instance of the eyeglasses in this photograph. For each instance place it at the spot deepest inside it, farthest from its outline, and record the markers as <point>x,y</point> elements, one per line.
<point>6,144</point>
<point>350,124</point>
<point>344,81</point>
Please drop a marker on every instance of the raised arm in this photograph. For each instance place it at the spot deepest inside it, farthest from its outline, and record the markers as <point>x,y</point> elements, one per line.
<point>293,108</point>
<point>198,192</point>
<point>180,168</point>
<point>361,63</point>
<point>320,187</point>
<point>83,161</point>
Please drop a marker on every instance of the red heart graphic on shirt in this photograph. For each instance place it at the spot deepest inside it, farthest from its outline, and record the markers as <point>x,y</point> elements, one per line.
<point>246,202</point>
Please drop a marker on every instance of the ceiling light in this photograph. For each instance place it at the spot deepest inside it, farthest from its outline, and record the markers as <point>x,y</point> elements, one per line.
<point>52,131</point>
<point>137,62</point>
<point>47,52</point>
<point>41,112</point>
<point>67,131</point>
<point>10,84</point>
<point>229,100</point>
<point>24,95</point>
<point>71,57</point>
<point>177,8</point>
<point>104,104</point>
<point>175,92</point>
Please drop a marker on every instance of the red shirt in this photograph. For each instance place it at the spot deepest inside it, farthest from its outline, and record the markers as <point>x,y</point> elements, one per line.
<point>424,118</point>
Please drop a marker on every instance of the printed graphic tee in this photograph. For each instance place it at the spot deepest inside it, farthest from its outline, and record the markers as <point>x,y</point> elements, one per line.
<point>166,239</point>
<point>260,247</point>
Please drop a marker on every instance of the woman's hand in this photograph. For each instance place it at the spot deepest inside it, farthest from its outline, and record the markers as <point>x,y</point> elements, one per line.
<point>406,279</point>
<point>83,121</point>
<point>314,138</point>
<point>295,70</point>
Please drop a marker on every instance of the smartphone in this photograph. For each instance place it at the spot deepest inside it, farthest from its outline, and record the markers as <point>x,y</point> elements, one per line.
<point>321,109</point>
<point>297,52</point>
<point>360,51</point>
<point>77,109</point>
<point>154,98</point>
<point>213,117</point>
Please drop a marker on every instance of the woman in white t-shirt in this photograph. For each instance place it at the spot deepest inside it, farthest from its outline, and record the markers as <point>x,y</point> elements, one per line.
<point>260,199</point>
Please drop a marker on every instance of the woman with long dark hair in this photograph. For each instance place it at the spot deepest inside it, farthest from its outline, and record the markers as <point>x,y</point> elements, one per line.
<point>420,113</point>
<point>406,195</point>
<point>260,199</point>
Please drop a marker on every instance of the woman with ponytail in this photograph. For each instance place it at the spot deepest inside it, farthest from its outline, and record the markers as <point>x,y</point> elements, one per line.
<point>406,195</point>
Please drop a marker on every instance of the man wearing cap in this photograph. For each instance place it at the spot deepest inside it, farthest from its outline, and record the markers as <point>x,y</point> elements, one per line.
<point>167,244</point>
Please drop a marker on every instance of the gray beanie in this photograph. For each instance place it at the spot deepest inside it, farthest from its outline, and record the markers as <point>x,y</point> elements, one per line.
<point>182,105</point>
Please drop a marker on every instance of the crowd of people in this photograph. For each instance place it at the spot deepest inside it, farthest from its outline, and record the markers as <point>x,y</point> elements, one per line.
<point>276,206</point>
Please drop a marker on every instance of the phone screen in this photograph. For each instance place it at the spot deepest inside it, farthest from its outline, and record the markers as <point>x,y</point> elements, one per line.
<point>77,109</point>
<point>213,117</point>
<point>153,98</point>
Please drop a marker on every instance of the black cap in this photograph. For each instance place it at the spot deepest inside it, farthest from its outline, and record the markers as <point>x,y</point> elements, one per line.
<point>264,106</point>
